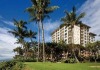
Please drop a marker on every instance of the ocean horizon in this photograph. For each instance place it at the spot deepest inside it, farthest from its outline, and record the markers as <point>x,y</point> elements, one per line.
<point>2,60</point>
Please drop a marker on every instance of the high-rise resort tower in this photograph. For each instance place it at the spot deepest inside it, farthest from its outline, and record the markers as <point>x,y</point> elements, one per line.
<point>81,34</point>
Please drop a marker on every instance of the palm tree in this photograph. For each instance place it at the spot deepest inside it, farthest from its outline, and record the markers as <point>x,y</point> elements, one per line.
<point>31,35</point>
<point>93,48</point>
<point>26,49</point>
<point>19,31</point>
<point>72,19</point>
<point>96,48</point>
<point>38,12</point>
<point>19,50</point>
<point>33,17</point>
<point>50,49</point>
<point>19,28</point>
<point>21,24</point>
<point>64,46</point>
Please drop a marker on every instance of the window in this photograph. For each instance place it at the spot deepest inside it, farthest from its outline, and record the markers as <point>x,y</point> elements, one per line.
<point>65,30</point>
<point>65,40</point>
<point>65,33</point>
<point>58,38</point>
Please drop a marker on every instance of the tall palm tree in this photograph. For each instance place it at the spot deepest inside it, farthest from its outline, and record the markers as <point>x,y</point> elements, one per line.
<point>19,31</point>
<point>71,19</point>
<point>31,35</point>
<point>21,25</point>
<point>19,28</point>
<point>39,10</point>
<point>26,48</point>
<point>33,17</point>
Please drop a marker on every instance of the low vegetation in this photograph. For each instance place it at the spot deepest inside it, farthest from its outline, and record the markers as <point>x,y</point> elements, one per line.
<point>11,65</point>
<point>63,66</point>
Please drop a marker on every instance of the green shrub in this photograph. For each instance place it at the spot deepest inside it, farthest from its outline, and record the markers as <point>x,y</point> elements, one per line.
<point>26,60</point>
<point>7,65</point>
<point>18,66</point>
<point>70,60</point>
<point>11,65</point>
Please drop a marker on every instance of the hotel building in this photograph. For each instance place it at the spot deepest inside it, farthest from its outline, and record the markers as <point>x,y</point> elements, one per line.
<point>81,34</point>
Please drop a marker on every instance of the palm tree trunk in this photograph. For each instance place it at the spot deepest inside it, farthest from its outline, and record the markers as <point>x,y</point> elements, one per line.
<point>38,41</point>
<point>51,55</point>
<point>75,57</point>
<point>43,41</point>
<point>67,55</point>
<point>31,39</point>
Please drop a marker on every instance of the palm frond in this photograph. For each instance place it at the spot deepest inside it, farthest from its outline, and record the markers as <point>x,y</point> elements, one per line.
<point>80,16</point>
<point>51,9</point>
<point>31,11</point>
<point>32,19</point>
<point>34,2</point>
<point>68,16</point>
<point>74,9</point>
<point>15,22</point>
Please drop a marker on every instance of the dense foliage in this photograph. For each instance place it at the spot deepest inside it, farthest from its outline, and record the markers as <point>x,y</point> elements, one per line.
<point>11,65</point>
<point>63,52</point>
<point>25,38</point>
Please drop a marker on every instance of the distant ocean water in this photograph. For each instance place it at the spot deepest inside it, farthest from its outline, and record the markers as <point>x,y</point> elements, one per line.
<point>5,60</point>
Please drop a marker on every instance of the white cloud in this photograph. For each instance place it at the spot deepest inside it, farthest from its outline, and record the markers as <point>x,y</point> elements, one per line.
<point>8,22</point>
<point>4,21</point>
<point>6,43</point>
<point>49,27</point>
<point>92,18</point>
<point>47,38</point>
<point>6,53</point>
<point>7,40</point>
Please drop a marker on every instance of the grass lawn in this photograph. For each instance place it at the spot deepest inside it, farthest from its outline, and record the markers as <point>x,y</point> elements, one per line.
<point>62,66</point>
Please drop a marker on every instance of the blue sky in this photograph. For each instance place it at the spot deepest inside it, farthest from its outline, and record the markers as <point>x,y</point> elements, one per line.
<point>10,9</point>
<point>15,8</point>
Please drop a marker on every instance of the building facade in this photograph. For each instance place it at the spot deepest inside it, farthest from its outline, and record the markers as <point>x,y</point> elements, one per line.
<point>92,37</point>
<point>80,34</point>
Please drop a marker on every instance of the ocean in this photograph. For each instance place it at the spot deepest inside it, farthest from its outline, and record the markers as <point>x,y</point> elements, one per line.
<point>5,60</point>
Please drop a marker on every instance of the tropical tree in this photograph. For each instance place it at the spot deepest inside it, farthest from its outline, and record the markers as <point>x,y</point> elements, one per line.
<point>39,10</point>
<point>71,19</point>
<point>18,50</point>
<point>96,49</point>
<point>20,41</point>
<point>50,50</point>
<point>64,47</point>
<point>26,49</point>
<point>30,34</point>
<point>19,31</point>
